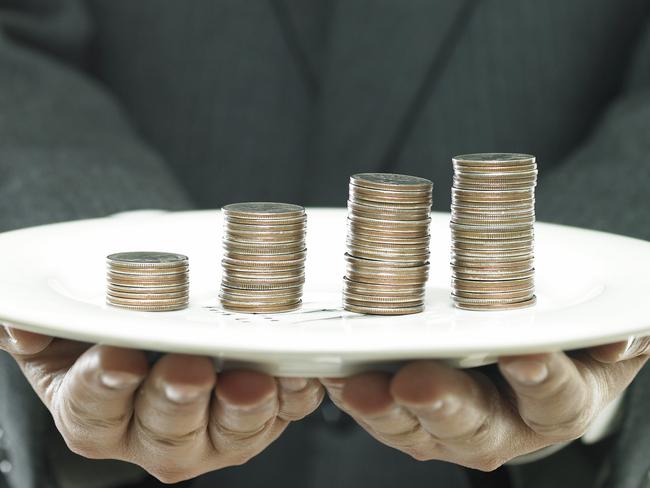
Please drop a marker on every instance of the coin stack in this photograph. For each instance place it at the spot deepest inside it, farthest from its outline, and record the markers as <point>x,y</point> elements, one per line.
<point>492,220</point>
<point>388,244</point>
<point>148,281</point>
<point>264,257</point>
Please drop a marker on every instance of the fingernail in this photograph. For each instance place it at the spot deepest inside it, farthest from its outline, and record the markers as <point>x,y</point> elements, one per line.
<point>446,406</point>
<point>635,346</point>
<point>118,380</point>
<point>334,386</point>
<point>181,393</point>
<point>527,373</point>
<point>293,384</point>
<point>233,414</point>
<point>10,335</point>
<point>8,339</point>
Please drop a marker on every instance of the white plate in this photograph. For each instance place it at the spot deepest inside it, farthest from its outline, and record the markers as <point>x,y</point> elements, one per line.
<point>592,288</point>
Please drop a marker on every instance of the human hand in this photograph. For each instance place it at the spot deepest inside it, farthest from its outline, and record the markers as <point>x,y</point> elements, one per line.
<point>170,419</point>
<point>432,411</point>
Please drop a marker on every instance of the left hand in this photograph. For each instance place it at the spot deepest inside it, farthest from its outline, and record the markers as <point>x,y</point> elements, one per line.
<point>432,411</point>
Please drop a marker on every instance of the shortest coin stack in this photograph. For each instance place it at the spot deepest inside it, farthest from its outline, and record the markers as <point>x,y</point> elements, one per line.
<point>388,244</point>
<point>492,224</point>
<point>148,281</point>
<point>264,257</point>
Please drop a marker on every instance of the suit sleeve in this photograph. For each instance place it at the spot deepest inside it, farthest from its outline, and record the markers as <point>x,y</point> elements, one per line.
<point>605,184</point>
<point>67,151</point>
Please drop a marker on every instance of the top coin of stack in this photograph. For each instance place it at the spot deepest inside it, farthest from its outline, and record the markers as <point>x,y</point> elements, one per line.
<point>492,220</point>
<point>388,244</point>
<point>264,257</point>
<point>148,281</point>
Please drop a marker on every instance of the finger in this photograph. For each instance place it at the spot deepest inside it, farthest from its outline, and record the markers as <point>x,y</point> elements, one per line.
<point>367,399</point>
<point>554,398</point>
<point>451,405</point>
<point>93,403</point>
<point>172,409</point>
<point>334,388</point>
<point>20,342</point>
<point>243,414</point>
<point>621,351</point>
<point>298,397</point>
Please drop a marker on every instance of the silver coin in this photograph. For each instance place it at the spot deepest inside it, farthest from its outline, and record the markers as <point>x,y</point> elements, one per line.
<point>388,197</point>
<point>140,288</point>
<point>147,258</point>
<point>501,158</point>
<point>391,181</point>
<point>264,293</point>
<point>424,205</point>
<point>259,284</point>
<point>256,264</point>
<point>390,224</point>
<point>379,301</point>
<point>496,306</point>
<point>264,248</point>
<point>267,297</point>
<point>257,301</point>
<point>151,308</point>
<point>262,210</point>
<point>261,308</point>
<point>369,289</point>
<point>382,310</point>
<point>250,228</point>
<point>283,220</point>
<point>148,295</point>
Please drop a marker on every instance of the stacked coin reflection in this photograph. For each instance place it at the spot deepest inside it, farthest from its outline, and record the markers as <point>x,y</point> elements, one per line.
<point>264,257</point>
<point>148,281</point>
<point>388,244</point>
<point>493,215</point>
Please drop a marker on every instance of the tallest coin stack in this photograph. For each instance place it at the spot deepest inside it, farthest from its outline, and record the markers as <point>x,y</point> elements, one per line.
<point>492,220</point>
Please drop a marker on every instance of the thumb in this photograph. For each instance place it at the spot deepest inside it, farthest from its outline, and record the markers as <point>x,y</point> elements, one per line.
<point>22,343</point>
<point>621,351</point>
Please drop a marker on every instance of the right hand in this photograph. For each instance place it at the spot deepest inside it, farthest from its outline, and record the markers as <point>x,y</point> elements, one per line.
<point>170,419</point>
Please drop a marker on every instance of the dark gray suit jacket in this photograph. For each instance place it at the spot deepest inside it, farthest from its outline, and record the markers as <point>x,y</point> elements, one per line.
<point>110,105</point>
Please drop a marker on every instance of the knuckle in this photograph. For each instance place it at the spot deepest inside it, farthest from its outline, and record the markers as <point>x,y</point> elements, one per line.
<point>407,439</point>
<point>488,462</point>
<point>481,434</point>
<point>292,415</point>
<point>159,438</point>
<point>240,458</point>
<point>83,439</point>
<point>556,388</point>
<point>572,427</point>
<point>477,436</point>
<point>84,446</point>
<point>168,475</point>
<point>306,404</point>
<point>419,454</point>
<point>243,438</point>
<point>89,419</point>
